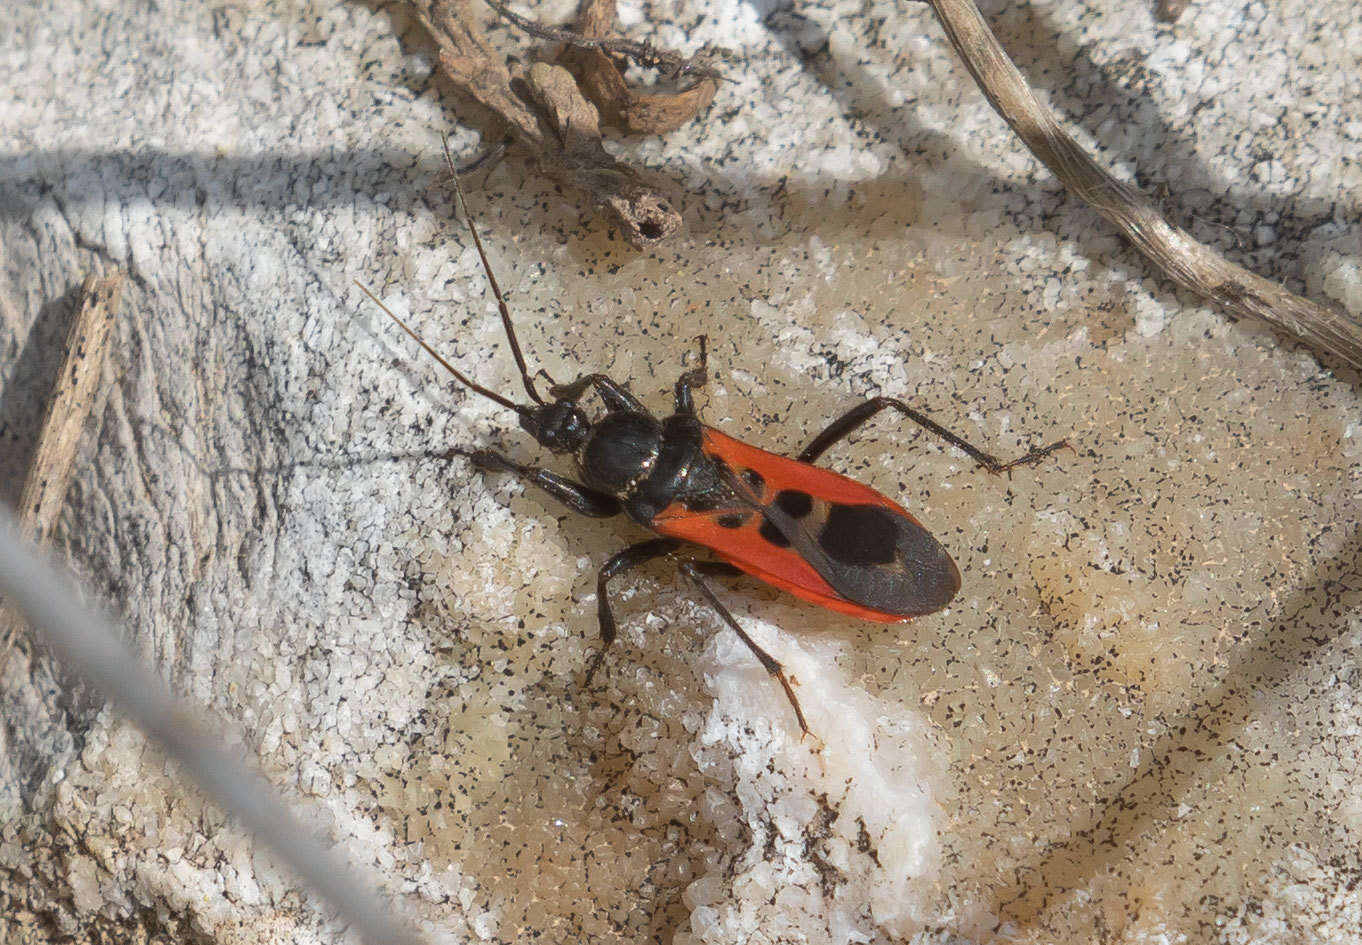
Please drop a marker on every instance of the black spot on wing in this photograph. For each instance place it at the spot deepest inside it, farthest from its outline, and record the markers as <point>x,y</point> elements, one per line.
<point>773,535</point>
<point>733,519</point>
<point>860,535</point>
<point>754,479</point>
<point>885,561</point>
<point>794,502</point>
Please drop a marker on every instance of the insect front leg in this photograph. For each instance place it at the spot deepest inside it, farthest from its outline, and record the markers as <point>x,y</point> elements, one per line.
<point>611,393</point>
<point>846,424</point>
<point>574,495</point>
<point>697,376</point>
<point>626,560</point>
<point>695,571</point>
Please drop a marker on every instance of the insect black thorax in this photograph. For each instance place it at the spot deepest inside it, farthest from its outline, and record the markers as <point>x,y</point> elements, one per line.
<point>649,464</point>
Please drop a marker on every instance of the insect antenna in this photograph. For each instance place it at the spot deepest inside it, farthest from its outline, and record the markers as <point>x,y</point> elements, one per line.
<point>458,375</point>
<point>496,289</point>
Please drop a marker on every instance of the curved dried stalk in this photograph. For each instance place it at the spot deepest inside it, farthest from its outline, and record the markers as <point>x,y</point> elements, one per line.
<point>1190,264</point>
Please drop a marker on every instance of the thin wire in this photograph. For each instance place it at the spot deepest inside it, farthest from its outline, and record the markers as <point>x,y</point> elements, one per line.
<point>87,643</point>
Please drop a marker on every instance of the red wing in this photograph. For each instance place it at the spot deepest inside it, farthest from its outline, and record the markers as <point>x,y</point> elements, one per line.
<point>750,547</point>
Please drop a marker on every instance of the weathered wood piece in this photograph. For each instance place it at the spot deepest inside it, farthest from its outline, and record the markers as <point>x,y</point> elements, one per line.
<point>74,394</point>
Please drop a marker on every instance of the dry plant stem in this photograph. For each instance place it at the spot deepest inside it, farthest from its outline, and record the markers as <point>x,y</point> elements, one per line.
<point>1189,263</point>
<point>75,393</point>
<point>89,645</point>
<point>562,132</point>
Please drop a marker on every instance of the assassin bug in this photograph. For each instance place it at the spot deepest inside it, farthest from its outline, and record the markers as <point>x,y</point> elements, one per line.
<point>810,531</point>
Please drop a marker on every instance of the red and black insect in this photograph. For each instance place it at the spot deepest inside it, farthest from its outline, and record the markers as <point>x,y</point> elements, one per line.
<point>804,529</point>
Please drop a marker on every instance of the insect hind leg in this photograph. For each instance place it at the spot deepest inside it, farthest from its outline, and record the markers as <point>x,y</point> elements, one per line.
<point>854,418</point>
<point>626,560</point>
<point>695,571</point>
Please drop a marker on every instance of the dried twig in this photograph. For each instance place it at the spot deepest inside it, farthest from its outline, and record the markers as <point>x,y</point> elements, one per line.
<point>75,392</point>
<point>670,63</point>
<point>1189,263</point>
<point>557,124</point>
<point>638,112</point>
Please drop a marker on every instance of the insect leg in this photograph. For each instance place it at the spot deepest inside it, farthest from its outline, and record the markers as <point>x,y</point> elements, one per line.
<point>574,495</point>
<point>626,560</point>
<point>718,569</point>
<point>697,376</point>
<point>614,395</point>
<point>844,425</point>
<point>692,570</point>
